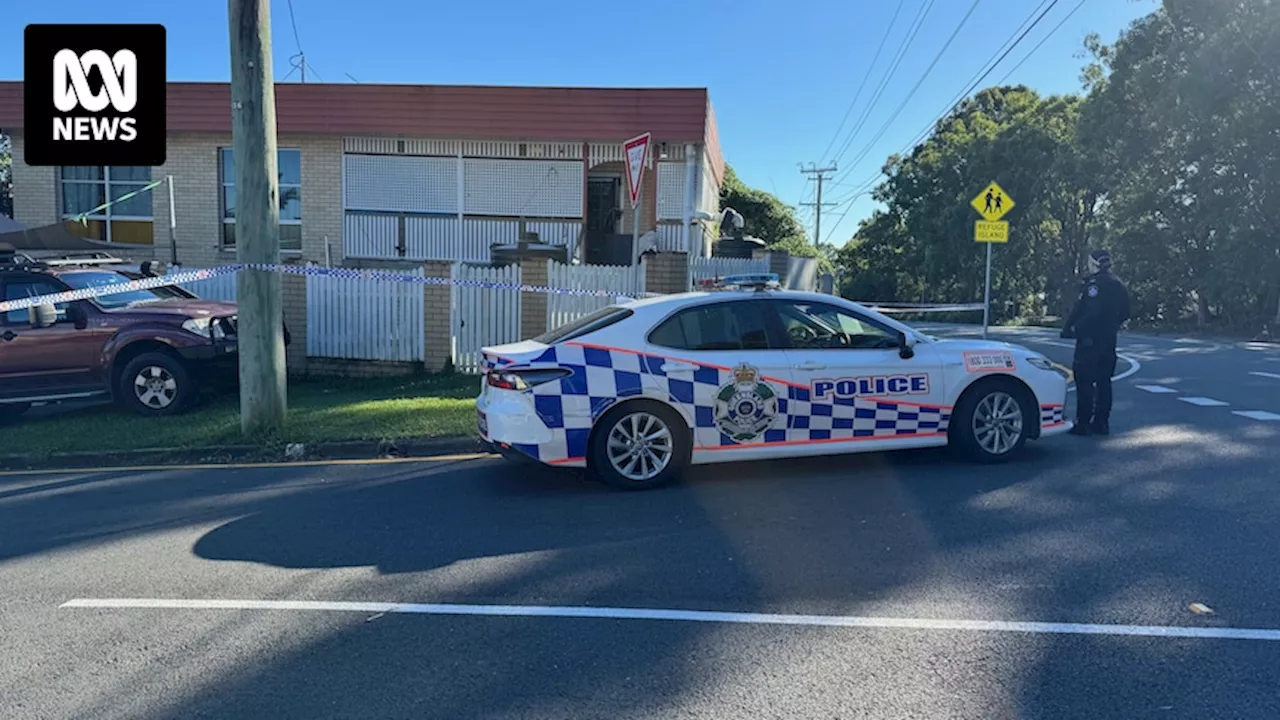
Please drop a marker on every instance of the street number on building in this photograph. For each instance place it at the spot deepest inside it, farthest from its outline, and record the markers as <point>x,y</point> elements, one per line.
<point>992,203</point>
<point>991,232</point>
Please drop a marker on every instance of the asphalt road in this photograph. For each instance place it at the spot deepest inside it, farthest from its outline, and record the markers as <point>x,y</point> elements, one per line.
<point>1179,506</point>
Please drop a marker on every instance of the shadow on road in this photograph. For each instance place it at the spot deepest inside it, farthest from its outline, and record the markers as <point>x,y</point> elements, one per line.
<point>1124,530</point>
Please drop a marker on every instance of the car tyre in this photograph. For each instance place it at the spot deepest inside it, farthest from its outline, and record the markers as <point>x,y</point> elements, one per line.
<point>155,384</point>
<point>992,421</point>
<point>639,446</point>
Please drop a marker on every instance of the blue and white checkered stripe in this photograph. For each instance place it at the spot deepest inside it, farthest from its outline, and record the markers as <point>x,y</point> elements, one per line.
<point>117,288</point>
<point>1052,415</point>
<point>602,377</point>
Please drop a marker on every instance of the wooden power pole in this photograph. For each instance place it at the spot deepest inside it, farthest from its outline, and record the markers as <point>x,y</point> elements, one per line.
<point>253,134</point>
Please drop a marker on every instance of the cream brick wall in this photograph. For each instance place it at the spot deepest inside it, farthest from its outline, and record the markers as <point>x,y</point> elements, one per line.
<point>321,195</point>
<point>192,160</point>
<point>35,190</point>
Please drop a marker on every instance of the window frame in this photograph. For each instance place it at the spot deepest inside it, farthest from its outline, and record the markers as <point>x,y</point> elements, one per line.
<point>107,215</point>
<point>591,322</point>
<point>224,182</point>
<point>889,330</point>
<point>26,278</point>
<point>767,321</point>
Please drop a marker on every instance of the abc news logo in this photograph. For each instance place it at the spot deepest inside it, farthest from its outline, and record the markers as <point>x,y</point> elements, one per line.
<point>94,95</point>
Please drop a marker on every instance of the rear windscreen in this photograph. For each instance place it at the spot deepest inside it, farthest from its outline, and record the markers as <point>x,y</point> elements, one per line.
<point>586,324</point>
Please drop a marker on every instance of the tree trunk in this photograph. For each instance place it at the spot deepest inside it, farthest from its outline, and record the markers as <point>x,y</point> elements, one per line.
<point>1202,308</point>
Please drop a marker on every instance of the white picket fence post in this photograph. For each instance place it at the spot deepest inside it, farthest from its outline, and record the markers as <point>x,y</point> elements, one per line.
<point>617,280</point>
<point>707,268</point>
<point>365,319</point>
<point>483,316</point>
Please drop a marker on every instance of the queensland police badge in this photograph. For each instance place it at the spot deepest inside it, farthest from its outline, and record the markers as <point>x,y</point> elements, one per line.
<point>746,407</point>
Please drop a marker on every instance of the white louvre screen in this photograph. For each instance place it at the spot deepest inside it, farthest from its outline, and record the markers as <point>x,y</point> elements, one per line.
<point>370,236</point>
<point>392,183</point>
<point>528,188</point>
<point>671,191</point>
<point>708,191</point>
<point>436,238</point>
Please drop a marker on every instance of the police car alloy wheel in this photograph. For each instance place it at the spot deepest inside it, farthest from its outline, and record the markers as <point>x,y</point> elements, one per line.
<point>990,423</point>
<point>639,446</point>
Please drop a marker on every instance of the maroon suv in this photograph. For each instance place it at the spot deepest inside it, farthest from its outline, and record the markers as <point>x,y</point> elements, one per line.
<point>151,351</point>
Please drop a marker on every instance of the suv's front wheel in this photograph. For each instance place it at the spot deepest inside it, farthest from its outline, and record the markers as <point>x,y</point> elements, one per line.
<point>155,384</point>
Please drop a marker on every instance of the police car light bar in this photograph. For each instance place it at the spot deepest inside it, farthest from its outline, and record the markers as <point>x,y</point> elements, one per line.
<point>752,281</point>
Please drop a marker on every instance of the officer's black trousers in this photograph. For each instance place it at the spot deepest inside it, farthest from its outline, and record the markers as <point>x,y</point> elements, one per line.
<point>1093,368</point>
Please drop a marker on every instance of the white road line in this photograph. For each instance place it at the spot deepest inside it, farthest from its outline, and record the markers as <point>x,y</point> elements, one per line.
<point>1203,401</point>
<point>1156,388</point>
<point>1260,373</point>
<point>1257,415</point>
<point>1134,366</point>
<point>615,613</point>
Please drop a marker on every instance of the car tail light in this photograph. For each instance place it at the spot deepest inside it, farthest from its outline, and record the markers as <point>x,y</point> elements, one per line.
<point>524,379</point>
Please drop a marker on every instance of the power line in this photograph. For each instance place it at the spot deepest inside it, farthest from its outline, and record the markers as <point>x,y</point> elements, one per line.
<point>1055,29</point>
<point>297,44</point>
<point>974,80</point>
<point>901,52</point>
<point>915,88</point>
<point>977,80</point>
<point>865,77</point>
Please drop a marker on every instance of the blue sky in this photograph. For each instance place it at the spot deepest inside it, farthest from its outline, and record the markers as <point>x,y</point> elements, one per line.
<point>781,74</point>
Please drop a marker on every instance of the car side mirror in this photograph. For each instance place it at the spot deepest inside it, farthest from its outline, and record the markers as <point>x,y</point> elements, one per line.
<point>78,315</point>
<point>906,346</point>
<point>42,316</point>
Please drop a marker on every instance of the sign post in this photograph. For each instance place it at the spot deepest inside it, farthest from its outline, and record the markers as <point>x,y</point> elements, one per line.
<point>636,154</point>
<point>992,204</point>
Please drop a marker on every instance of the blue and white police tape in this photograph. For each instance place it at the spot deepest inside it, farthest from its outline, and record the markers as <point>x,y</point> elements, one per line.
<point>117,288</point>
<point>180,278</point>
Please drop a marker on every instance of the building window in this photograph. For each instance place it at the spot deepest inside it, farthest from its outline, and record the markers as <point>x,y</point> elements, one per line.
<point>289,169</point>
<point>85,189</point>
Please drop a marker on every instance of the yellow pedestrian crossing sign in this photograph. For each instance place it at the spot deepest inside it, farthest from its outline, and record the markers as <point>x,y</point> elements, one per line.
<point>992,203</point>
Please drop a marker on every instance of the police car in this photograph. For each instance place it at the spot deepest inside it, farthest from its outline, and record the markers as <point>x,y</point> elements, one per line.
<point>639,390</point>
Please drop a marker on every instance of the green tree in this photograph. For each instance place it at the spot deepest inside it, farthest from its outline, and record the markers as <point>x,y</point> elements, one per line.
<point>921,246</point>
<point>764,215</point>
<point>1181,117</point>
<point>1170,158</point>
<point>771,220</point>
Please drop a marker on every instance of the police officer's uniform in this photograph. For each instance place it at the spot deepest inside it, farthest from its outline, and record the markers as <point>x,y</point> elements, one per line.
<point>1094,322</point>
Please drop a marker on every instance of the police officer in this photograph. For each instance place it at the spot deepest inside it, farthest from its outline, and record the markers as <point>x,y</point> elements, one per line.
<point>1094,321</point>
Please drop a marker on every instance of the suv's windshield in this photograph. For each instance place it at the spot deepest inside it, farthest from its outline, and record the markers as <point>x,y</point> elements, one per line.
<point>82,280</point>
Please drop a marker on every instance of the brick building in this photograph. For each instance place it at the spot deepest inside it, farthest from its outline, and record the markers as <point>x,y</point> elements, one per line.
<point>403,172</point>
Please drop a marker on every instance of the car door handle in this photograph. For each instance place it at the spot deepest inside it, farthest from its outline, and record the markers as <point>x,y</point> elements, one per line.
<point>810,365</point>
<point>670,367</point>
<point>9,335</point>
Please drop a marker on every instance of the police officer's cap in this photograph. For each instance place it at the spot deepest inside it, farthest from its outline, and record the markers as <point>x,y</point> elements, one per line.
<point>1102,257</point>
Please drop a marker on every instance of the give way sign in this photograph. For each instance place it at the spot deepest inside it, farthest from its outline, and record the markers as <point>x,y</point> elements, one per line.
<point>636,151</point>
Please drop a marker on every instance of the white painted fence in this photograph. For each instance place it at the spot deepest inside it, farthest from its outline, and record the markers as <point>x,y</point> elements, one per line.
<point>482,316</point>
<point>364,319</point>
<point>220,287</point>
<point>704,268</point>
<point>617,279</point>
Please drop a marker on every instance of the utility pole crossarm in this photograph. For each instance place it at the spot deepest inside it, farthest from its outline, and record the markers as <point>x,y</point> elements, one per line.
<point>821,175</point>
